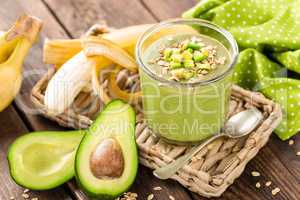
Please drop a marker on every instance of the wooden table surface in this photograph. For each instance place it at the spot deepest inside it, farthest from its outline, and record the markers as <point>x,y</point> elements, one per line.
<point>276,162</point>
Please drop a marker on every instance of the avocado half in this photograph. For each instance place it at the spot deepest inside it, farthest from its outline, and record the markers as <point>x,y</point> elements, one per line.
<point>106,162</point>
<point>43,160</point>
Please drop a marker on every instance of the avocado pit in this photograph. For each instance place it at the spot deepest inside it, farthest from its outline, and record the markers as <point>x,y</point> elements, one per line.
<point>107,160</point>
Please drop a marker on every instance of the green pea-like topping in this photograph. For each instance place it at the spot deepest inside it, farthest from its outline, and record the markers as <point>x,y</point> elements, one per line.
<point>188,59</point>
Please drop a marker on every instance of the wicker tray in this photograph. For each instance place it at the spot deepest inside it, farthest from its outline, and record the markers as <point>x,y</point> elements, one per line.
<point>212,170</point>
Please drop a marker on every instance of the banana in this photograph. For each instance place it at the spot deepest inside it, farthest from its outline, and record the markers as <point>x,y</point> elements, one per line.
<point>14,46</point>
<point>67,82</point>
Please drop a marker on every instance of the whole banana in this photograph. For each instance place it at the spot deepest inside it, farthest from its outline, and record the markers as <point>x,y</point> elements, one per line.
<point>14,46</point>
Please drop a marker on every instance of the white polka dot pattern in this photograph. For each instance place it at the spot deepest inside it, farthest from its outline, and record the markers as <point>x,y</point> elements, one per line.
<point>268,33</point>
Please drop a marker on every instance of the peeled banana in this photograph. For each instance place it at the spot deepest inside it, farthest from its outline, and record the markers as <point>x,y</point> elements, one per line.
<point>75,74</point>
<point>67,82</point>
<point>14,46</point>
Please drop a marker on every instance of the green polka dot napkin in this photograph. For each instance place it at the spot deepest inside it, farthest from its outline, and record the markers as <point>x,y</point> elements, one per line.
<point>268,35</point>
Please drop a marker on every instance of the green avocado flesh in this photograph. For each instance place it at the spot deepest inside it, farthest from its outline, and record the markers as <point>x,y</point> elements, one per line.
<point>117,122</point>
<point>44,160</point>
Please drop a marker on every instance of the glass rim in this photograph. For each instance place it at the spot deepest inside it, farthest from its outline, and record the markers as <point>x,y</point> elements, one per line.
<point>228,36</point>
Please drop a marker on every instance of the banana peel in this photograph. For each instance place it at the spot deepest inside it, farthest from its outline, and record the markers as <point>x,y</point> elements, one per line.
<point>14,46</point>
<point>57,52</point>
<point>117,92</point>
<point>99,48</point>
<point>97,87</point>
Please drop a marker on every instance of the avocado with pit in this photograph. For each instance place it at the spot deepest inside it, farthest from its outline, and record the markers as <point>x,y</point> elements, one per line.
<point>107,160</point>
<point>44,160</point>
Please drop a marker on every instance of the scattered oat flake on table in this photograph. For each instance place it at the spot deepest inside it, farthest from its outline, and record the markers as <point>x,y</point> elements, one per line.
<point>12,198</point>
<point>291,142</point>
<point>157,188</point>
<point>257,185</point>
<point>128,196</point>
<point>150,197</point>
<point>275,191</point>
<point>171,197</point>
<point>35,198</point>
<point>298,153</point>
<point>25,196</point>
<point>268,183</point>
<point>255,173</point>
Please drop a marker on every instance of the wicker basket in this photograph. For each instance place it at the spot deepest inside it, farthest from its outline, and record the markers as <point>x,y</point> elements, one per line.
<point>212,170</point>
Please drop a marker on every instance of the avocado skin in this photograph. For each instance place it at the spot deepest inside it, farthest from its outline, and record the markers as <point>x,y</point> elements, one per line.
<point>134,166</point>
<point>94,196</point>
<point>68,175</point>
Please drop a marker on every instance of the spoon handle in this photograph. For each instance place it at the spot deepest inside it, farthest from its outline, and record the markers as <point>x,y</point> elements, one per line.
<point>170,169</point>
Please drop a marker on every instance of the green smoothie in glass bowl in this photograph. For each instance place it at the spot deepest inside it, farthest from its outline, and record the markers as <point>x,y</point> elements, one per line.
<point>185,70</point>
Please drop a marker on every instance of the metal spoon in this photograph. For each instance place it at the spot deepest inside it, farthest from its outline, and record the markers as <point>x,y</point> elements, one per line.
<point>237,126</point>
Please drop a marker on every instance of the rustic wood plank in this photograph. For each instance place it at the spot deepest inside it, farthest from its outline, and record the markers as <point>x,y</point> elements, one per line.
<point>34,68</point>
<point>11,127</point>
<point>287,153</point>
<point>167,9</point>
<point>277,161</point>
<point>50,32</point>
<point>271,169</point>
<point>82,14</point>
<point>144,186</point>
